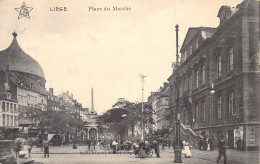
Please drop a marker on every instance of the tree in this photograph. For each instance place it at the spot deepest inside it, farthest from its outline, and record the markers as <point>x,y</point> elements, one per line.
<point>132,111</point>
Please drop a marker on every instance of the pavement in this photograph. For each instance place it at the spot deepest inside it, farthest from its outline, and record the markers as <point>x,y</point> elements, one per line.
<point>68,155</point>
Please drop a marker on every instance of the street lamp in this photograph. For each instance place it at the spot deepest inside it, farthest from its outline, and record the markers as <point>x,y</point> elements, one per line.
<point>177,147</point>
<point>142,128</point>
<point>212,92</point>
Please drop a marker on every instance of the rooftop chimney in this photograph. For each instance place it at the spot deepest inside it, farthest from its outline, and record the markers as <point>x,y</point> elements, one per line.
<point>51,90</point>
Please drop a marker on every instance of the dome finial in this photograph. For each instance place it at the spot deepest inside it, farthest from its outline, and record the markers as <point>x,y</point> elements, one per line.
<point>14,34</point>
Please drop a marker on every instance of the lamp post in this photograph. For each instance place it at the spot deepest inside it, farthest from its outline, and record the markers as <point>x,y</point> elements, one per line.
<point>142,126</point>
<point>177,147</point>
<point>212,91</point>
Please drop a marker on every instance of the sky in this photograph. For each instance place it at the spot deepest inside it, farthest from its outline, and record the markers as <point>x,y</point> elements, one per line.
<point>80,49</point>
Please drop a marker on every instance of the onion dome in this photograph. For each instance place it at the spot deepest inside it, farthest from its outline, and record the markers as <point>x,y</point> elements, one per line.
<point>19,61</point>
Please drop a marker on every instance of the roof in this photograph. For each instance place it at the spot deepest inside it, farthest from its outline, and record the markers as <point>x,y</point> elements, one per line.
<point>18,78</point>
<point>192,31</point>
<point>18,60</point>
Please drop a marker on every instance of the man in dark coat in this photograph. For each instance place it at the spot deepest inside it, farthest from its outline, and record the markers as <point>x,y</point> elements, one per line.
<point>222,150</point>
<point>46,147</point>
<point>156,148</point>
<point>94,144</point>
<point>89,144</point>
<point>200,144</point>
<point>205,144</point>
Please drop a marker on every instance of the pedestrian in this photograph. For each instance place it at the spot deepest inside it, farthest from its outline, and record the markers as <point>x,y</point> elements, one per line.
<point>114,146</point>
<point>156,148</point>
<point>243,145</point>
<point>89,144</point>
<point>142,153</point>
<point>46,148</point>
<point>205,144</point>
<point>30,145</point>
<point>169,144</point>
<point>211,140</point>
<point>200,143</point>
<point>94,143</point>
<point>222,150</point>
<point>186,149</point>
<point>208,144</point>
<point>239,144</point>
<point>74,144</point>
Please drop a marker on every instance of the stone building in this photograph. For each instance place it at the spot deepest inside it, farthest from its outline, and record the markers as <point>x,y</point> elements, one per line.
<point>217,82</point>
<point>25,80</point>
<point>161,104</point>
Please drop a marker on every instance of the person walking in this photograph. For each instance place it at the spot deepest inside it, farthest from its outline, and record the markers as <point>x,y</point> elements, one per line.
<point>239,144</point>
<point>46,148</point>
<point>222,150</point>
<point>200,143</point>
<point>30,145</point>
<point>94,144</point>
<point>156,148</point>
<point>205,144</point>
<point>142,153</point>
<point>89,144</point>
<point>114,146</point>
<point>186,149</point>
<point>211,140</point>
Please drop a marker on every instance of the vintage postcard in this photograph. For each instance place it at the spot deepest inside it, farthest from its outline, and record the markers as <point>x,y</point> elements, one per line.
<point>129,81</point>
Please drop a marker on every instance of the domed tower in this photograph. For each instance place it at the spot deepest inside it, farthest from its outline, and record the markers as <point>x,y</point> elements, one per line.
<point>22,77</point>
<point>18,61</point>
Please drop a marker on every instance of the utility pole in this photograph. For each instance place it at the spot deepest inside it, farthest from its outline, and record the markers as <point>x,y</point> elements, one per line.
<point>142,128</point>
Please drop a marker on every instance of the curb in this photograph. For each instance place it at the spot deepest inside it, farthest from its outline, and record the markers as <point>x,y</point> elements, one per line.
<point>90,153</point>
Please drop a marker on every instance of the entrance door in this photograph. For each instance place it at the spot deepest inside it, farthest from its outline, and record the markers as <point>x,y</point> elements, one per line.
<point>93,134</point>
<point>231,139</point>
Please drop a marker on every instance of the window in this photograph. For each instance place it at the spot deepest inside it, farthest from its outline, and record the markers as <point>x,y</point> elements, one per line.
<point>3,106</point>
<point>15,121</point>
<point>197,78</point>
<point>231,104</point>
<point>203,74</point>
<point>11,108</point>
<point>231,59</point>
<point>7,121</point>
<point>203,110</point>
<point>183,57</point>
<point>197,43</point>
<point>3,120</point>
<point>197,112</point>
<point>190,82</point>
<point>219,66</point>
<point>12,121</point>
<point>7,107</point>
<point>15,110</point>
<point>180,89</point>
<point>219,107</point>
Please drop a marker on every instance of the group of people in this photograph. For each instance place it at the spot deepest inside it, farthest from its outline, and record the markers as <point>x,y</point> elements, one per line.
<point>23,147</point>
<point>206,144</point>
<point>142,148</point>
<point>91,144</point>
<point>240,144</point>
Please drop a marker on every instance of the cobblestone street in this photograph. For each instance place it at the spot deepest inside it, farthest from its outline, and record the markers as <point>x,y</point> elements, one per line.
<point>65,154</point>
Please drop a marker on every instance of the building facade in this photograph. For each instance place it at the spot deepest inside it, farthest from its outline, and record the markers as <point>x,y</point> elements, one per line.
<point>25,80</point>
<point>215,89</point>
